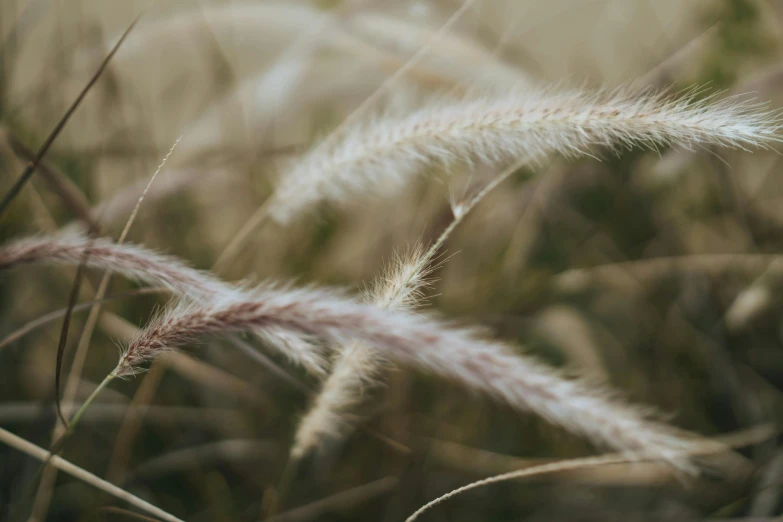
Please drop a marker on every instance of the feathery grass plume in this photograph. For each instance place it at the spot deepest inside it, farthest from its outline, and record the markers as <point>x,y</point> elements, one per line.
<point>149,267</point>
<point>401,285</point>
<point>128,260</point>
<point>459,354</point>
<point>525,124</point>
<point>358,366</point>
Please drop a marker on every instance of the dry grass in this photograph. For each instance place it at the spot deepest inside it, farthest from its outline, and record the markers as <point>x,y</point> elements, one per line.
<point>624,233</point>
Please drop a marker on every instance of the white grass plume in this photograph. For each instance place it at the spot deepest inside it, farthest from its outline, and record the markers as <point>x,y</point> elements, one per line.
<point>525,124</point>
<point>458,354</point>
<point>149,267</point>
<point>401,284</point>
<point>133,262</point>
<point>357,368</point>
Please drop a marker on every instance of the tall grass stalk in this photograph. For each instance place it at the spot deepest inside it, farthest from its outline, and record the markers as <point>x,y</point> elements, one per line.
<point>61,464</point>
<point>43,495</point>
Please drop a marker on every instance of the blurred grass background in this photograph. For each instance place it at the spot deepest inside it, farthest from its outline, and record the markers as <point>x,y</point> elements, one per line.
<point>700,338</point>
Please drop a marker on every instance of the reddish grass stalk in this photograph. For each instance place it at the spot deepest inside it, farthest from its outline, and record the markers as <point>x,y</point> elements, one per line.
<point>456,353</point>
<point>155,269</point>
